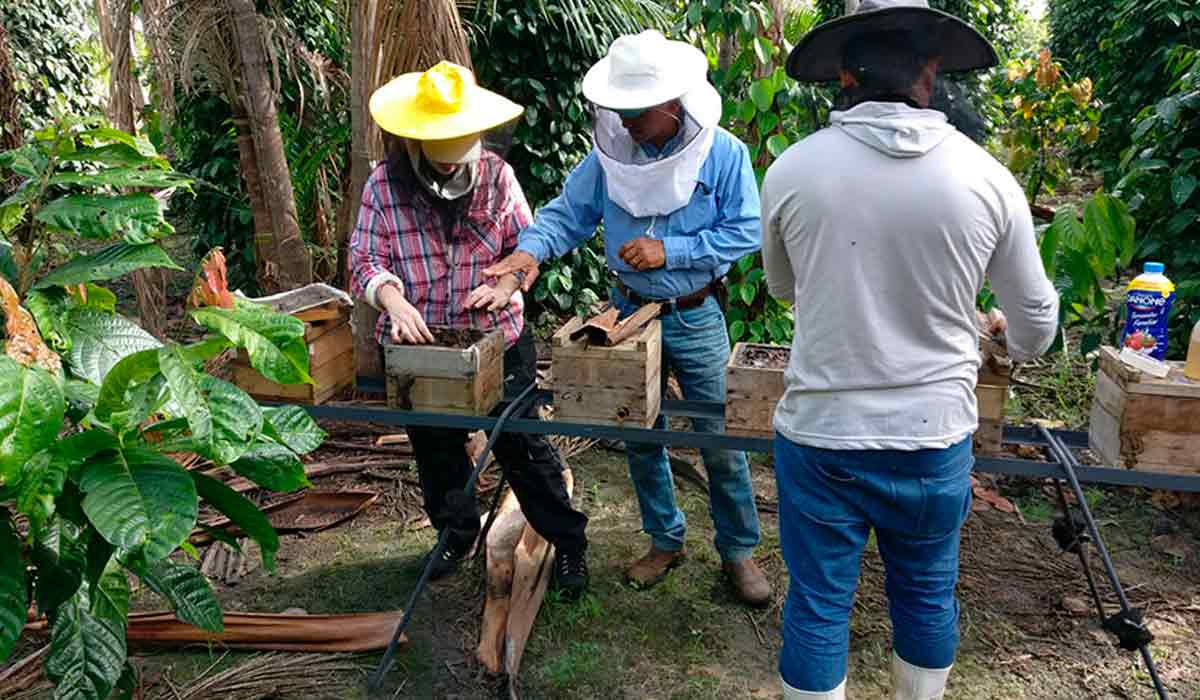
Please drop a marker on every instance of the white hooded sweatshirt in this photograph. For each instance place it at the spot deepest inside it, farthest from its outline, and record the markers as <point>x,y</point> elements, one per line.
<point>881,229</point>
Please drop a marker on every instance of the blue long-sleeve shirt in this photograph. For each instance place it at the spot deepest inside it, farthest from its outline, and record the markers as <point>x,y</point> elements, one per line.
<point>717,227</point>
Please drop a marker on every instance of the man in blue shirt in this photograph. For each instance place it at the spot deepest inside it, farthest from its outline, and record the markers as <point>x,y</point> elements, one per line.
<point>679,203</point>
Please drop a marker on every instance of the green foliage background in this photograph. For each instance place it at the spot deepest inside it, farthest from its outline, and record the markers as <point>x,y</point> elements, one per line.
<point>54,56</point>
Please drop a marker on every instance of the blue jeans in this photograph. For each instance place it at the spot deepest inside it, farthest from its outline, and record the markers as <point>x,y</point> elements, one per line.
<point>695,346</point>
<point>829,500</point>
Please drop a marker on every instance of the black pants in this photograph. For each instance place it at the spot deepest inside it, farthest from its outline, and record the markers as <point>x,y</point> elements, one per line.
<point>531,465</point>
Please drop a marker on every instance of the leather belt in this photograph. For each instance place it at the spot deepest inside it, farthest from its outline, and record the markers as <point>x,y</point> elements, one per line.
<point>683,303</point>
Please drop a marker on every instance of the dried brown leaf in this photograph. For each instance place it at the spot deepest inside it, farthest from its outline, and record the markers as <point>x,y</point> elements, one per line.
<point>24,344</point>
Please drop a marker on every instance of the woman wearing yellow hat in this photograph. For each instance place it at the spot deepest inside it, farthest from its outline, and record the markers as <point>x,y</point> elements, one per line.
<point>434,215</point>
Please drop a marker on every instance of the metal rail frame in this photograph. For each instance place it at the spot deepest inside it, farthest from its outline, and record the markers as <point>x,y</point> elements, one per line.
<point>1060,444</point>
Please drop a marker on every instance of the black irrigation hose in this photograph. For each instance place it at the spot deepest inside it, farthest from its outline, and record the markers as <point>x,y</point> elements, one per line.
<point>375,682</point>
<point>1126,624</point>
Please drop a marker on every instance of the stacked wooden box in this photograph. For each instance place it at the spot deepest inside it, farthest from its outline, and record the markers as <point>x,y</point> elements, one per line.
<point>1143,422</point>
<point>752,392</point>
<point>325,312</point>
<point>447,377</point>
<point>617,385</point>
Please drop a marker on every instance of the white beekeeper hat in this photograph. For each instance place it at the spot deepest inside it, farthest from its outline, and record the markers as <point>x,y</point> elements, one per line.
<point>647,69</point>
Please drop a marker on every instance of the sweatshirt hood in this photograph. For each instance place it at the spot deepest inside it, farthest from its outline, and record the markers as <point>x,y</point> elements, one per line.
<point>894,128</point>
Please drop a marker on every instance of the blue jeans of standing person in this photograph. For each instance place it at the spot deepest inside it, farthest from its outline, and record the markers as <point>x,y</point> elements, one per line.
<point>829,501</point>
<point>695,346</point>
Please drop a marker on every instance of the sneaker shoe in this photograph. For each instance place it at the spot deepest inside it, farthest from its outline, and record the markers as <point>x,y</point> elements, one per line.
<point>447,562</point>
<point>570,573</point>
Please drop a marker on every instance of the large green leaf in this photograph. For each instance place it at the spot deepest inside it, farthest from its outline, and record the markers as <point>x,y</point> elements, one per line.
<point>138,217</point>
<point>13,602</point>
<point>104,134</point>
<point>123,177</point>
<point>1048,249</point>
<point>99,340</point>
<point>274,342</point>
<point>292,427</point>
<point>186,590</point>
<point>120,404</point>
<point>272,466</point>
<point>108,263</point>
<point>110,594</point>
<point>237,420</point>
<point>60,553</point>
<point>118,154</point>
<point>763,94</point>
<point>184,383</point>
<point>1111,219</point>
<point>47,471</point>
<point>31,414</point>
<point>241,512</point>
<point>87,653</point>
<point>138,499</point>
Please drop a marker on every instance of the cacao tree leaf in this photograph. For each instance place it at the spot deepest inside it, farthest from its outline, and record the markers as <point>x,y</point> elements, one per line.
<point>1182,188</point>
<point>292,427</point>
<point>110,594</point>
<point>13,602</point>
<point>127,684</point>
<point>762,92</point>
<point>184,382</point>
<point>108,263</point>
<point>87,653</point>
<point>237,421</point>
<point>99,340</point>
<point>60,553</point>
<point>49,309</point>
<point>81,393</point>
<point>47,471</point>
<point>241,512</point>
<point>186,590</point>
<point>139,500</point>
<point>32,408</point>
<point>777,144</point>
<point>101,135</point>
<point>131,178</point>
<point>273,467</point>
<point>274,341</point>
<point>115,406</point>
<point>118,154</point>
<point>138,217</point>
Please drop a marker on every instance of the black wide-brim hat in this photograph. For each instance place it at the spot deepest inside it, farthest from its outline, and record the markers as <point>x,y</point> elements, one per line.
<point>818,56</point>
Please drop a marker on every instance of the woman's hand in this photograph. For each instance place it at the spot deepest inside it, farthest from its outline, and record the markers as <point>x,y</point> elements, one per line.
<point>407,324</point>
<point>494,298</point>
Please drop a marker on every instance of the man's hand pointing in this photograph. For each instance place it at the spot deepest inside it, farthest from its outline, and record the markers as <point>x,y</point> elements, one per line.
<point>520,264</point>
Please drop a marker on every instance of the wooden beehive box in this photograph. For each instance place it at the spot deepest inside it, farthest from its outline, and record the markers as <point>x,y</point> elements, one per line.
<point>461,373</point>
<point>618,385</point>
<point>1141,422</point>
<point>325,312</point>
<point>753,387</point>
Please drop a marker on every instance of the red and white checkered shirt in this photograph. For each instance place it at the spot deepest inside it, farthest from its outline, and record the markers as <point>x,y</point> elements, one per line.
<point>440,264</point>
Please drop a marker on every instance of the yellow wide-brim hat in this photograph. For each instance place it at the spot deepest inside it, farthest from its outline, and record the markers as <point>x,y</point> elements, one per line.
<point>442,103</point>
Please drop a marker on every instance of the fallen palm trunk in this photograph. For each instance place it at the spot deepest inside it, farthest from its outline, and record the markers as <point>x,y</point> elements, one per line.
<point>519,563</point>
<point>23,674</point>
<point>265,632</point>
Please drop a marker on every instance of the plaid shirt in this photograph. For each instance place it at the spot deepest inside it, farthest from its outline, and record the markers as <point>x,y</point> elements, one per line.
<point>439,264</point>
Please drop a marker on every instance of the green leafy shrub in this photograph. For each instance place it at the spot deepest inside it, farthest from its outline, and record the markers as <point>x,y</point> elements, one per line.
<point>1047,117</point>
<point>91,407</point>
<point>769,112</point>
<point>1125,45</point>
<point>1081,255</point>
<point>534,54</point>
<point>1161,182</point>
<point>53,58</point>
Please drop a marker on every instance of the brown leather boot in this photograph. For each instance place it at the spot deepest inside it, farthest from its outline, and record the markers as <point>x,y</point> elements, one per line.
<point>651,569</point>
<point>749,584</point>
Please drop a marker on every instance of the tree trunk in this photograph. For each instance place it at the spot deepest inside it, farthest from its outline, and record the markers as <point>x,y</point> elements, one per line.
<point>152,14</point>
<point>125,101</point>
<point>10,122</point>
<point>364,56</point>
<point>289,264</point>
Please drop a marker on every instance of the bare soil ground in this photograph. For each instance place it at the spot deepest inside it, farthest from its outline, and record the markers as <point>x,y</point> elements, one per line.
<point>1025,633</point>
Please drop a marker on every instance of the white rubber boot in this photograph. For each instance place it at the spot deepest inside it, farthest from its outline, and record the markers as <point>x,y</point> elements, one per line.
<point>790,693</point>
<point>915,683</point>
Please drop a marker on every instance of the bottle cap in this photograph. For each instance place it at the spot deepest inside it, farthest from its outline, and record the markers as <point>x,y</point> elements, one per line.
<point>1154,268</point>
